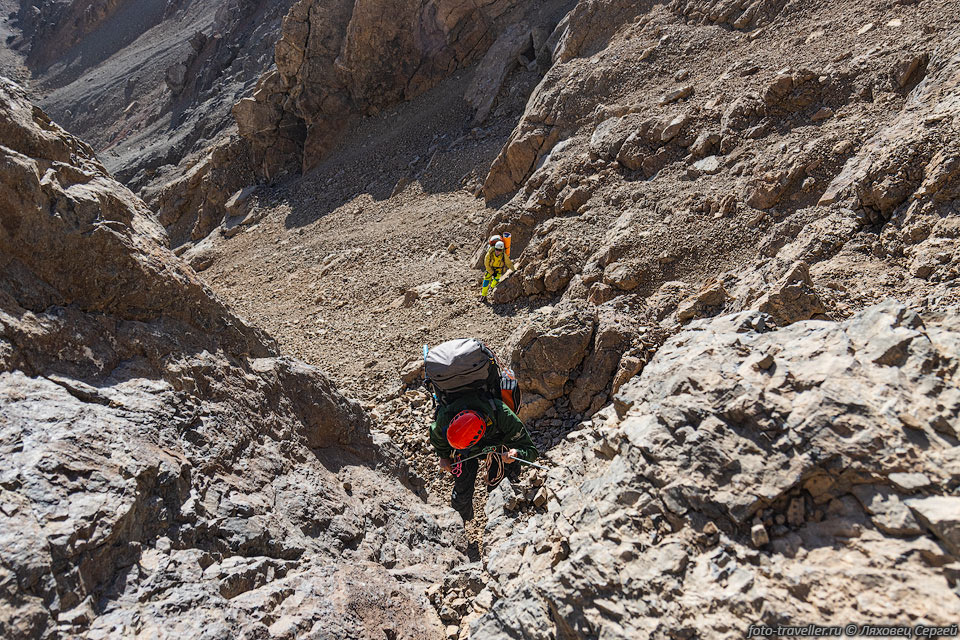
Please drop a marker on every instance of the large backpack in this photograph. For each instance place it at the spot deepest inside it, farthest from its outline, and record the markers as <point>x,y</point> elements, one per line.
<point>466,365</point>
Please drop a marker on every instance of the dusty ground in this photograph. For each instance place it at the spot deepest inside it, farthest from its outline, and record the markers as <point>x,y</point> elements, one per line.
<point>324,269</point>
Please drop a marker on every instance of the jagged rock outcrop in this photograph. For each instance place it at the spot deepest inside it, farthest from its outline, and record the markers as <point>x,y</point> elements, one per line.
<point>193,205</point>
<point>340,59</point>
<point>164,470</point>
<point>749,475</point>
<point>640,182</point>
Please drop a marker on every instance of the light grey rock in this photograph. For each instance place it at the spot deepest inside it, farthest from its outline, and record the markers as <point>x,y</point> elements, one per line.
<point>709,165</point>
<point>703,435</point>
<point>940,514</point>
<point>889,513</point>
<point>157,452</point>
<point>909,482</point>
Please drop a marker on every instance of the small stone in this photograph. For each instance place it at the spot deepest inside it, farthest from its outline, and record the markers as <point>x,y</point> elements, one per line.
<point>484,600</point>
<point>823,114</point>
<point>780,519</point>
<point>541,498</point>
<point>412,371</point>
<point>842,147</point>
<point>762,363</point>
<point>447,614</point>
<point>709,165</point>
<point>865,28</point>
<point>453,631</point>
<point>759,536</point>
<point>673,128</point>
<point>909,482</point>
<point>795,512</point>
<point>677,94</point>
<point>905,71</point>
<point>666,258</point>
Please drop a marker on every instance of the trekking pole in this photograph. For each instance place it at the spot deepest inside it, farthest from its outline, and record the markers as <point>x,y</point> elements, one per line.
<point>532,464</point>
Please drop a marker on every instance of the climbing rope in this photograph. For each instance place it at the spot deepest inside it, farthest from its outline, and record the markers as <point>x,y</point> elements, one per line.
<point>457,468</point>
<point>495,467</point>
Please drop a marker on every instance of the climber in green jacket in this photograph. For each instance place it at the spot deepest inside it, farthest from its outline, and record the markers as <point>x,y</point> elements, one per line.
<point>474,424</point>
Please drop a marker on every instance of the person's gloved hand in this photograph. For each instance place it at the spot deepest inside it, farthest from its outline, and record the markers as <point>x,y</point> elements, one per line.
<point>510,456</point>
<point>445,465</point>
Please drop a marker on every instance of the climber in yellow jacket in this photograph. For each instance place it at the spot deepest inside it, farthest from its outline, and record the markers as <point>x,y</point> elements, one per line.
<point>496,262</point>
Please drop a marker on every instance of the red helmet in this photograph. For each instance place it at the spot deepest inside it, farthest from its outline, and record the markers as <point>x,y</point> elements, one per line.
<point>466,429</point>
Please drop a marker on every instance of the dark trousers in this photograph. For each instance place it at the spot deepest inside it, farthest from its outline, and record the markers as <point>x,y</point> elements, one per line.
<point>464,486</point>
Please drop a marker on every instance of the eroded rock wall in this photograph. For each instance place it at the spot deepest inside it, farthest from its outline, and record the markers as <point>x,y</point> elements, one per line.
<point>165,471</point>
<point>682,160</point>
<point>339,59</point>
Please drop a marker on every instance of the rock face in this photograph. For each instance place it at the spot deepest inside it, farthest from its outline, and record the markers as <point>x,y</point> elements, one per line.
<point>339,59</point>
<point>192,205</point>
<point>639,183</point>
<point>52,27</point>
<point>150,86</point>
<point>803,442</point>
<point>164,470</point>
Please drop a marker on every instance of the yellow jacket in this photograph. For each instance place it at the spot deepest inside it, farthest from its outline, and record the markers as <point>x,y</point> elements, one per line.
<point>495,263</point>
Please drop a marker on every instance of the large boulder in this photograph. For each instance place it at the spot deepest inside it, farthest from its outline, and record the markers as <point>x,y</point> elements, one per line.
<point>751,476</point>
<point>546,352</point>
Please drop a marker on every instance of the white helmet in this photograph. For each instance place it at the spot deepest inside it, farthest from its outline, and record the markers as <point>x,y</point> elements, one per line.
<point>493,240</point>
<point>499,245</point>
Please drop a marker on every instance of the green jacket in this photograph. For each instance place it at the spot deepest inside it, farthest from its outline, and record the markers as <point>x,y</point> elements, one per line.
<point>506,428</point>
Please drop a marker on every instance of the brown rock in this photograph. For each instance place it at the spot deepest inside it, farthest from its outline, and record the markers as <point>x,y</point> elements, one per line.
<point>759,536</point>
<point>709,300</point>
<point>545,353</point>
<point>793,298</point>
<point>677,94</point>
<point>412,371</point>
<point>624,275</point>
<point>629,367</point>
<point>359,64</point>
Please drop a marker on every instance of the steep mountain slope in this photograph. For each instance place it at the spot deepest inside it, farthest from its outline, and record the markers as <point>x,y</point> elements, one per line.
<point>711,204</point>
<point>147,84</point>
<point>165,472</point>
